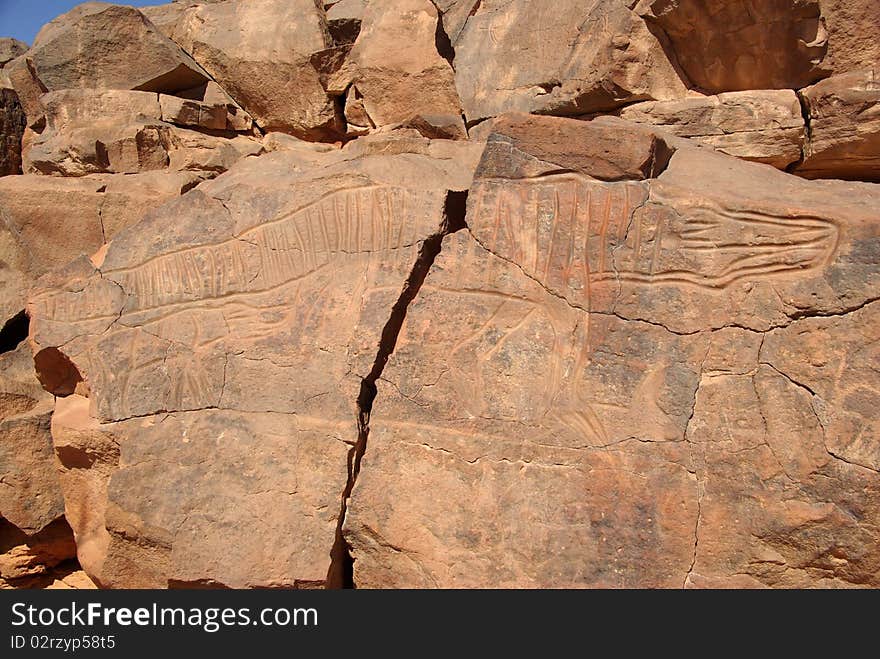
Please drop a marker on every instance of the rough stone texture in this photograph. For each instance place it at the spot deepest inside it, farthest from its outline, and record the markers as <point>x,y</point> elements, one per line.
<point>220,370</point>
<point>292,320</point>
<point>393,85</point>
<point>734,45</point>
<point>27,561</point>
<point>12,125</point>
<point>260,52</point>
<point>852,27</point>
<point>128,132</point>
<point>844,127</point>
<point>30,497</point>
<point>105,47</point>
<point>625,400</point>
<point>10,49</point>
<point>763,126</point>
<point>576,59</point>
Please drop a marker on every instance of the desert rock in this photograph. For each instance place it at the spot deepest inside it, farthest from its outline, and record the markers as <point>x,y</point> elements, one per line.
<point>578,58</point>
<point>763,126</point>
<point>12,125</point>
<point>105,47</point>
<point>386,86</point>
<point>844,116</point>
<point>600,328</point>
<point>10,49</point>
<point>342,240</point>
<point>260,52</point>
<point>730,45</point>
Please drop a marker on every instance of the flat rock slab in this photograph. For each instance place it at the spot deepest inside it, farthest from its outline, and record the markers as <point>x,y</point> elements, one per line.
<point>232,393</point>
<point>625,399</point>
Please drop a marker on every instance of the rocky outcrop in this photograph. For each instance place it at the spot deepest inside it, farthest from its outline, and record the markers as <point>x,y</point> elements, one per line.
<point>261,53</point>
<point>624,400</point>
<point>844,114</point>
<point>578,58</point>
<point>342,239</point>
<point>101,46</point>
<point>763,126</point>
<point>411,83</point>
<point>440,293</point>
<point>730,45</point>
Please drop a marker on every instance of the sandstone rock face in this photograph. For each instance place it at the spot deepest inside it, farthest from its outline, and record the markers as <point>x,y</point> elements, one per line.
<point>12,125</point>
<point>105,47</point>
<point>10,49</point>
<point>763,126</point>
<point>30,497</point>
<point>179,377</point>
<point>625,399</point>
<point>129,132</point>
<point>441,293</point>
<point>730,45</point>
<point>389,86</point>
<point>852,34</point>
<point>576,59</point>
<point>844,127</point>
<point>260,52</point>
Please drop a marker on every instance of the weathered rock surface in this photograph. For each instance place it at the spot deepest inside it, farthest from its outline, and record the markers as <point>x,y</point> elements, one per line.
<point>10,49</point>
<point>261,52</point>
<point>101,46</point>
<point>128,132</point>
<point>625,399</point>
<point>12,125</point>
<point>286,277</point>
<point>763,126</point>
<point>852,34</point>
<point>385,86</point>
<point>321,294</point>
<point>844,127</point>
<point>730,45</point>
<point>30,497</point>
<point>576,59</point>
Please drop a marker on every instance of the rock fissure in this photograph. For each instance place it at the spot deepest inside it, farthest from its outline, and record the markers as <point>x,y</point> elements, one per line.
<point>341,571</point>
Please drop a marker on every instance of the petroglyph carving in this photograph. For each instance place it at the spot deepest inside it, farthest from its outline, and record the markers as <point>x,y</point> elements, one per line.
<point>568,232</point>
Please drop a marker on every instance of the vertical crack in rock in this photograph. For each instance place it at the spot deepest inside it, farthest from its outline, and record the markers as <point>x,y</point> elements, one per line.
<point>808,132</point>
<point>14,331</point>
<point>341,572</point>
<point>442,41</point>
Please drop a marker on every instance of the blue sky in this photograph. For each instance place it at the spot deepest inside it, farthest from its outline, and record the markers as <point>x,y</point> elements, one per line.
<point>22,19</point>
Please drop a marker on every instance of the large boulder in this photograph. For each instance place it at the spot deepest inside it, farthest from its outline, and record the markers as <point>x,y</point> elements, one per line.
<point>410,82</point>
<point>261,52</point>
<point>101,46</point>
<point>224,343</point>
<point>764,126</point>
<point>625,400</point>
<point>576,59</point>
<point>732,45</point>
<point>844,113</point>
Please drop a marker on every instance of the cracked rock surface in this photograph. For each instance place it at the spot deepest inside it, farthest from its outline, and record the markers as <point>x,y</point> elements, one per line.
<point>441,293</point>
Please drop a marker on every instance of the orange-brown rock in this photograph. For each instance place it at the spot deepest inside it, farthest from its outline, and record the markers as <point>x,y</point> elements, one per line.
<point>12,125</point>
<point>764,126</point>
<point>852,27</point>
<point>260,52</point>
<point>101,46</point>
<point>10,49</point>
<point>30,561</point>
<point>844,114</point>
<point>625,399</point>
<point>576,59</point>
<point>387,86</point>
<point>730,45</point>
<point>219,371</point>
